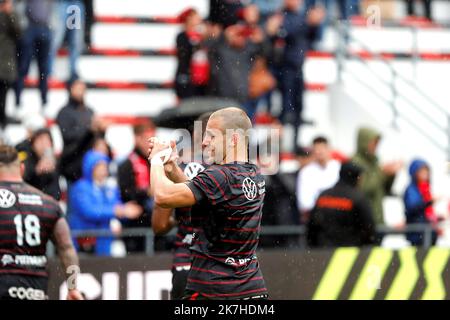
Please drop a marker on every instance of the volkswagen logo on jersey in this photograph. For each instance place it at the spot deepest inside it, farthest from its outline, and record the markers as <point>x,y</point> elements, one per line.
<point>192,169</point>
<point>249,189</point>
<point>7,198</point>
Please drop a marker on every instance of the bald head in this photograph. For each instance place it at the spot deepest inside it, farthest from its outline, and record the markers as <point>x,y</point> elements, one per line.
<point>232,118</point>
<point>227,136</point>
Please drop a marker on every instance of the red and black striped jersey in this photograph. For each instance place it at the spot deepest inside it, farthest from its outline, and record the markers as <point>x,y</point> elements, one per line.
<point>185,232</point>
<point>27,220</point>
<point>224,260</point>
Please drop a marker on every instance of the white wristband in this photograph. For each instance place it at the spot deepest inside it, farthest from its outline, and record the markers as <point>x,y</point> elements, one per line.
<point>165,154</point>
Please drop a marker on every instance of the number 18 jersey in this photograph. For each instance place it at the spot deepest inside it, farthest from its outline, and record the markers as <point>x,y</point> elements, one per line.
<point>27,220</point>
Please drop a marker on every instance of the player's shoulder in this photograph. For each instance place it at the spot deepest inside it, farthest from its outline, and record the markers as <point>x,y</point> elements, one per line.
<point>215,170</point>
<point>242,168</point>
<point>46,199</point>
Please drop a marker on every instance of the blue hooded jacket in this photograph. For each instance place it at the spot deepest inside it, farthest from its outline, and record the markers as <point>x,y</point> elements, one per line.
<point>414,204</point>
<point>93,205</point>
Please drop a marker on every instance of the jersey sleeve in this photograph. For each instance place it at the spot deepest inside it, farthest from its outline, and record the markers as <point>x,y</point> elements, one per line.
<point>211,185</point>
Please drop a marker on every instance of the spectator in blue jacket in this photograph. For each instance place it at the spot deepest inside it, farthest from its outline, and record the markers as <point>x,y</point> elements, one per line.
<point>419,200</point>
<point>96,203</point>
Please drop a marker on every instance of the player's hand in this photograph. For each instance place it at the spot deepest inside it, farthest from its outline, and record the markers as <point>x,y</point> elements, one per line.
<point>174,155</point>
<point>74,295</point>
<point>156,146</point>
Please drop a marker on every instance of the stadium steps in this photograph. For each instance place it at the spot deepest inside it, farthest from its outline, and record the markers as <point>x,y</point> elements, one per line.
<point>131,65</point>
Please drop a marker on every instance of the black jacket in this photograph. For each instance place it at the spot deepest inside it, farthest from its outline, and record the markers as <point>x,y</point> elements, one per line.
<point>185,50</point>
<point>342,217</point>
<point>74,122</point>
<point>47,182</point>
<point>129,192</point>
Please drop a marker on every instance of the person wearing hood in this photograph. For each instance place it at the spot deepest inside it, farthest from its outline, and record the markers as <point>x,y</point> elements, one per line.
<point>377,180</point>
<point>419,200</point>
<point>95,203</point>
<point>79,127</point>
<point>342,215</point>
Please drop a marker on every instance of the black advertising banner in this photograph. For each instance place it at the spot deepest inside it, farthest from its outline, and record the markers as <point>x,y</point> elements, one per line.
<point>341,274</point>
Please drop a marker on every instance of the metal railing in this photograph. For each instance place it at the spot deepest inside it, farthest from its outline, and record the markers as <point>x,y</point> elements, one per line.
<point>345,37</point>
<point>298,231</point>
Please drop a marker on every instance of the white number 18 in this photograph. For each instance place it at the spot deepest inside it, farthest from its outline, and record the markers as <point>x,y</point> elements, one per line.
<point>32,230</point>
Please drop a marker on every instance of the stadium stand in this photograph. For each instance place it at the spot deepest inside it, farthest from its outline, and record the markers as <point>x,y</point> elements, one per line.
<point>130,68</point>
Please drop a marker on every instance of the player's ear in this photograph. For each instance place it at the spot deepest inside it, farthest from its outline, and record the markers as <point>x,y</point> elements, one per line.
<point>22,168</point>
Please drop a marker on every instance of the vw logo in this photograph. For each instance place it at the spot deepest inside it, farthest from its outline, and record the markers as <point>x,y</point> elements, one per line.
<point>249,188</point>
<point>7,198</point>
<point>192,169</point>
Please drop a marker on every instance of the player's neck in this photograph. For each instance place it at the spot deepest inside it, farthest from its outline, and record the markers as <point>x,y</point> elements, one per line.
<point>9,177</point>
<point>236,157</point>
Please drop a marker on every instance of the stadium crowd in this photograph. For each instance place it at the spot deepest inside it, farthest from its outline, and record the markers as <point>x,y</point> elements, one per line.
<point>244,52</point>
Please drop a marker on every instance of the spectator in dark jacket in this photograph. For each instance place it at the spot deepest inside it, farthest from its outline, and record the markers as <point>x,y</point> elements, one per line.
<point>292,32</point>
<point>134,182</point>
<point>192,73</point>
<point>232,55</point>
<point>78,127</point>
<point>342,215</point>
<point>419,201</point>
<point>9,35</point>
<point>40,165</point>
<point>35,43</point>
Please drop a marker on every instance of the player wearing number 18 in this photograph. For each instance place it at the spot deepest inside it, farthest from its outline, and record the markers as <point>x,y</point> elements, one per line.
<point>28,220</point>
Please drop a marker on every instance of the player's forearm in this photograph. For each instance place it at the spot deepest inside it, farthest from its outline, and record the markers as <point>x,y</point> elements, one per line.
<point>68,257</point>
<point>160,184</point>
<point>174,173</point>
<point>162,220</point>
<point>66,251</point>
<point>168,194</point>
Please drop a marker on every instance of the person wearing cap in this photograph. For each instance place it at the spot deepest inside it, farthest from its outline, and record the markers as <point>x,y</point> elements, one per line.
<point>342,216</point>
